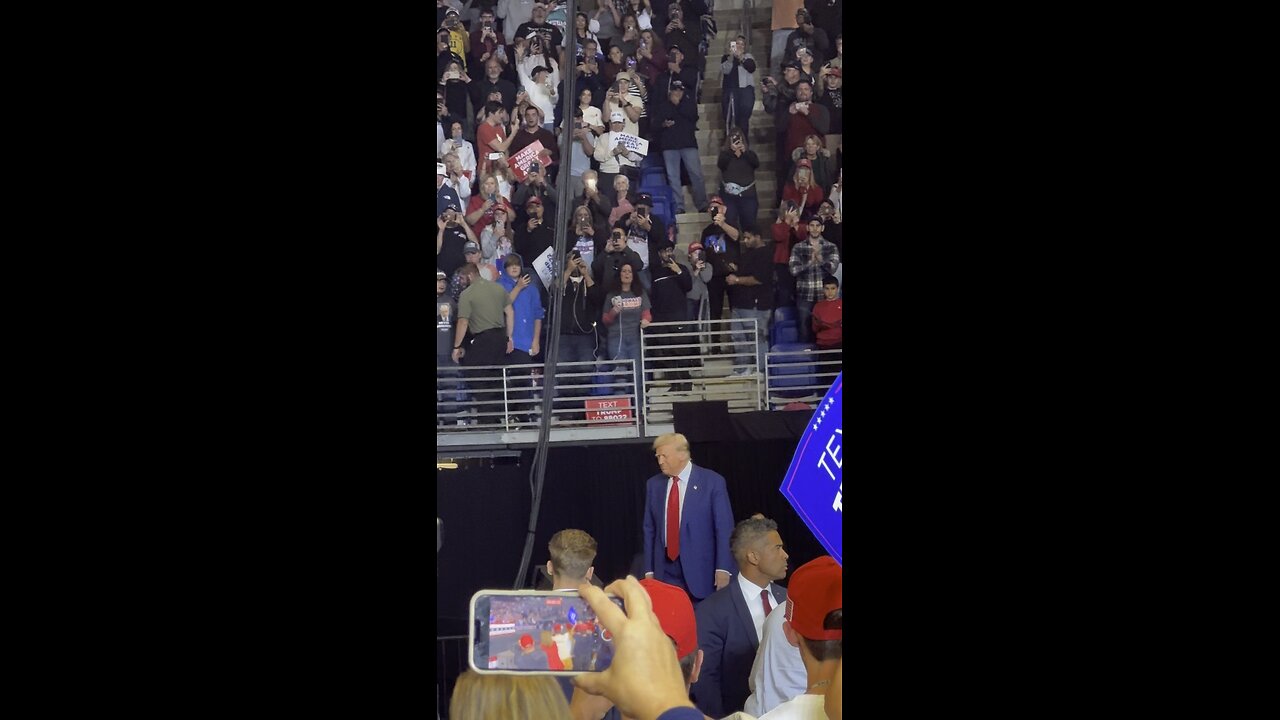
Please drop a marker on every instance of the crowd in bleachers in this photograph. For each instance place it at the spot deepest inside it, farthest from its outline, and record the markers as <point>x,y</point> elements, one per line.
<point>638,139</point>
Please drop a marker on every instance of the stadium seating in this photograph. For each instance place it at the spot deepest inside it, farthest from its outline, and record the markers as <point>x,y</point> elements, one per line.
<point>785,328</point>
<point>791,371</point>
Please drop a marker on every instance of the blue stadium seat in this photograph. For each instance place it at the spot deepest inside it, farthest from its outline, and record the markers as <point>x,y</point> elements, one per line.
<point>784,313</point>
<point>785,327</point>
<point>794,371</point>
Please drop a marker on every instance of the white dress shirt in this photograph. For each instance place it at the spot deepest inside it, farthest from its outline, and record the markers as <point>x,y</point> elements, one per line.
<point>778,673</point>
<point>751,592</point>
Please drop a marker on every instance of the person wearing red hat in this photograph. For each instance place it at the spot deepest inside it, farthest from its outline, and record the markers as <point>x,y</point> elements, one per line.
<point>530,657</point>
<point>814,623</point>
<point>675,615</point>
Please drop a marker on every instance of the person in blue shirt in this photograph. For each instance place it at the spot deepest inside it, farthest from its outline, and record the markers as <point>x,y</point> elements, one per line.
<point>526,339</point>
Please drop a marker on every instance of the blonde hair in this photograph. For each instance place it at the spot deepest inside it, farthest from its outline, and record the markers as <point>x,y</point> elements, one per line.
<point>492,697</point>
<point>677,439</point>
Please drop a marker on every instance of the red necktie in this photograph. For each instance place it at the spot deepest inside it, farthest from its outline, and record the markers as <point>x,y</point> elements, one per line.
<point>764,597</point>
<point>673,520</point>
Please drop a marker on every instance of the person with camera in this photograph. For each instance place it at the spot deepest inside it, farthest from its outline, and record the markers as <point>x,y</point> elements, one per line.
<point>579,316</point>
<point>605,266</point>
<point>807,35</point>
<point>580,152</point>
<point>486,42</point>
<point>625,96</point>
<point>805,118</point>
<point>459,40</point>
<point>750,284</point>
<point>542,85</point>
<point>812,260</point>
<point>686,36</point>
<point>676,69</point>
<point>672,282</point>
<point>832,224</point>
<point>787,232</point>
<point>651,56</point>
<point>534,234</point>
<point>738,84</point>
<point>493,138</point>
<point>802,190</point>
<point>481,208</point>
<point>451,235</point>
<point>738,166</point>
<point>832,99</point>
<point>596,202</point>
<point>462,147</point>
<point>778,98</point>
<point>584,235</point>
<point>526,337</point>
<point>626,305</point>
<point>495,236</point>
<point>549,37</point>
<point>677,121</point>
<point>493,81</point>
<point>646,233</point>
<point>720,242</point>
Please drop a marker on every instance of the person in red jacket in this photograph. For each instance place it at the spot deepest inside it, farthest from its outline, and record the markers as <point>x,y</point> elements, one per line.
<point>787,231</point>
<point>828,316</point>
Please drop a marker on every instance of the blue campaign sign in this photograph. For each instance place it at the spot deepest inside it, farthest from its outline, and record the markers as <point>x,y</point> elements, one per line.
<point>813,484</point>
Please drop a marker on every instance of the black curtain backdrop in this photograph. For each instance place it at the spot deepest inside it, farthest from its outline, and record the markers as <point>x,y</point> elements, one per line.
<point>596,488</point>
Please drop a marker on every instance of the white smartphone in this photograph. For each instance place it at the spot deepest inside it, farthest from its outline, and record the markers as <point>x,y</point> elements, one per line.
<point>494,156</point>
<point>537,632</point>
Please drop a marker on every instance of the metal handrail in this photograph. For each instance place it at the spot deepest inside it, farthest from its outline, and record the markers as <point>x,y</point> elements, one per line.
<point>818,370</point>
<point>690,372</point>
<point>463,407</point>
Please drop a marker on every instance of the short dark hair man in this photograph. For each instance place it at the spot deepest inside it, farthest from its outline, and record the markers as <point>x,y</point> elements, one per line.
<point>729,645</point>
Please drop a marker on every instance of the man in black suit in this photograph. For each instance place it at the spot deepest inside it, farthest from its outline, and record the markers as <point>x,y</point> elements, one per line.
<point>730,621</point>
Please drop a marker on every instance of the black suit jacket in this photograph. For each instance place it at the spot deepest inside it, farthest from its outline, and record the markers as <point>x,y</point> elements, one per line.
<point>728,641</point>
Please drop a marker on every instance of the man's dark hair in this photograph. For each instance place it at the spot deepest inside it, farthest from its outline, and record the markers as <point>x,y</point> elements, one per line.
<point>823,650</point>
<point>746,534</point>
<point>804,80</point>
<point>492,108</point>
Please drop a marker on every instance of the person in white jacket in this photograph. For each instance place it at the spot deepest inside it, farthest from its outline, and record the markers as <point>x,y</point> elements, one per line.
<point>462,148</point>
<point>614,158</point>
<point>540,82</point>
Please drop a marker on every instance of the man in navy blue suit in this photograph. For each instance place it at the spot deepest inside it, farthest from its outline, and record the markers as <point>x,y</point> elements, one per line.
<point>687,522</point>
<point>730,621</point>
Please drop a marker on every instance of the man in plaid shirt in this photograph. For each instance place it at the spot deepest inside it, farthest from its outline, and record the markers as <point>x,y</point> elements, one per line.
<point>811,260</point>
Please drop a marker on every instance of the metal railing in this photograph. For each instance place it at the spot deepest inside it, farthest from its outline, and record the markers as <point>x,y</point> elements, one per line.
<point>680,362</point>
<point>683,362</point>
<point>800,376</point>
<point>506,400</point>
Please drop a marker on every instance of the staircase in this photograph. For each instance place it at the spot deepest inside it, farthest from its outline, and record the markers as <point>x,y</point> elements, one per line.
<point>729,15</point>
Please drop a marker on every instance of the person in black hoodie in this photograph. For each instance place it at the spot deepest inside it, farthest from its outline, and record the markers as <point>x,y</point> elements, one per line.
<point>751,297</point>
<point>579,317</point>
<point>616,253</point>
<point>671,283</point>
<point>720,243</point>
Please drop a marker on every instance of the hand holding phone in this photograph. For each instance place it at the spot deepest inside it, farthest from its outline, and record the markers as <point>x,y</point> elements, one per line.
<point>537,632</point>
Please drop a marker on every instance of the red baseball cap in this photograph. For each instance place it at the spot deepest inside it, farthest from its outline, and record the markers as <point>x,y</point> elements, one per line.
<point>675,614</point>
<point>815,590</point>
<point>715,200</point>
<point>534,200</point>
<point>526,641</point>
<point>695,245</point>
<point>804,162</point>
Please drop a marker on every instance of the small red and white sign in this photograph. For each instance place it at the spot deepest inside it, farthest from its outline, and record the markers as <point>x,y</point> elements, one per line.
<point>617,410</point>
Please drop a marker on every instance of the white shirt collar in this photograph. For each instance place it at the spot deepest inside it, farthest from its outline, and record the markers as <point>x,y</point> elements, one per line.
<point>749,589</point>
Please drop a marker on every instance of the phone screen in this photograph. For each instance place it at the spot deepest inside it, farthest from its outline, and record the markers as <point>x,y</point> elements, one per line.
<point>538,632</point>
